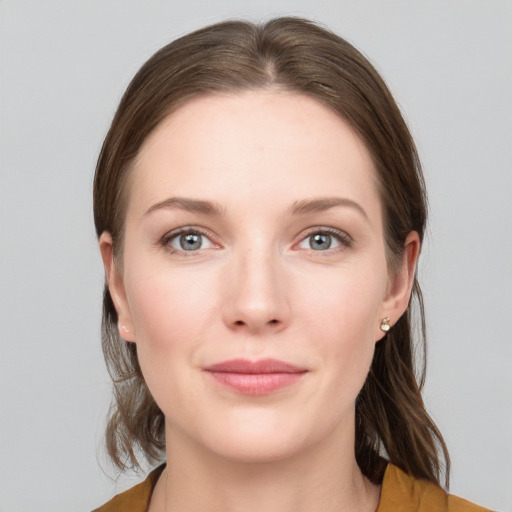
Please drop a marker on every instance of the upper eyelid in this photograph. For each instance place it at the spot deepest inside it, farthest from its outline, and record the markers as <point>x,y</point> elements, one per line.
<point>174,233</point>
<point>328,229</point>
<point>325,229</point>
<point>187,229</point>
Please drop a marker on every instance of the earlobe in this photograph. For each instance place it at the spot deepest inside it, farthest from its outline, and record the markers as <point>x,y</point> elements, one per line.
<point>400,286</point>
<point>116,287</point>
<point>123,330</point>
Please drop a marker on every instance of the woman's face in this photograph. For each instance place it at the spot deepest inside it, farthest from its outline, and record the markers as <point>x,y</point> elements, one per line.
<point>254,234</point>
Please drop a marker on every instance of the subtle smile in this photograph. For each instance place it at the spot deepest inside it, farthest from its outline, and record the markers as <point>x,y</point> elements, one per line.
<point>255,377</point>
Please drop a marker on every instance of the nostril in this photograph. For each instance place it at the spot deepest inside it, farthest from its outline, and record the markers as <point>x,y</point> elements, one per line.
<point>241,322</point>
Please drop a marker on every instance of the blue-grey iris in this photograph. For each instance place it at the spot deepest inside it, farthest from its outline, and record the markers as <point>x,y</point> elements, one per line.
<point>320,242</point>
<point>190,241</point>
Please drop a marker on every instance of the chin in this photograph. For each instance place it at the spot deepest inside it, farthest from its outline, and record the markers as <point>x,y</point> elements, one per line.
<point>253,437</point>
<point>257,449</point>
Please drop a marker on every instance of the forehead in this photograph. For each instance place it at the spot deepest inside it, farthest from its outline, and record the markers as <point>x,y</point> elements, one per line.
<point>253,143</point>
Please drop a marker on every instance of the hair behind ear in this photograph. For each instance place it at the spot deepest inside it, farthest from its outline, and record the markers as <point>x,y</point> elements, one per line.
<point>391,419</point>
<point>135,422</point>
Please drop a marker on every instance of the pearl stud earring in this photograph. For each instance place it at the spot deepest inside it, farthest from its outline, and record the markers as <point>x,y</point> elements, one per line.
<point>384,324</point>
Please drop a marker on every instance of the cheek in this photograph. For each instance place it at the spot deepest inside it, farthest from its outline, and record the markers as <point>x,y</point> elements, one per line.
<point>348,304</point>
<point>165,305</point>
<point>172,310</point>
<point>343,320</point>
<point>167,310</point>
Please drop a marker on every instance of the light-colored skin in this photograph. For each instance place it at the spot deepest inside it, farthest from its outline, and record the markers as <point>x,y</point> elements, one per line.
<point>257,290</point>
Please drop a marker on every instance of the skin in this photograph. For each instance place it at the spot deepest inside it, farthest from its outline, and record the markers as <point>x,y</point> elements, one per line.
<point>257,288</point>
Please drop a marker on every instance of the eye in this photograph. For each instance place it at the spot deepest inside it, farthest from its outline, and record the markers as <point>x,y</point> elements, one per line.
<point>323,240</point>
<point>188,241</point>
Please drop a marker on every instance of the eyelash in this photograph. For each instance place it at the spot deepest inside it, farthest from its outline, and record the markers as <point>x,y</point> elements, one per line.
<point>166,240</point>
<point>342,237</point>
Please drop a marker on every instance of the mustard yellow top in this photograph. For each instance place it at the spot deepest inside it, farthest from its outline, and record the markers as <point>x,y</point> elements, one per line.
<point>400,493</point>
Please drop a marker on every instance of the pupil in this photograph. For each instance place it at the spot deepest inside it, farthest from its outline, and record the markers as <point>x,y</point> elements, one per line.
<point>190,242</point>
<point>320,242</point>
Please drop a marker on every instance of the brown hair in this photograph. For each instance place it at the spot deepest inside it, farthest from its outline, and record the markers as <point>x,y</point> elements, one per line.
<point>296,55</point>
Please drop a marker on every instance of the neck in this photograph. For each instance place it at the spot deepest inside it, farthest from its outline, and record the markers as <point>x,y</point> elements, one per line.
<point>313,480</point>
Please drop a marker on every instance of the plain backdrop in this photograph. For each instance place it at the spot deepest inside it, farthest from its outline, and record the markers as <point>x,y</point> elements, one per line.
<point>63,67</point>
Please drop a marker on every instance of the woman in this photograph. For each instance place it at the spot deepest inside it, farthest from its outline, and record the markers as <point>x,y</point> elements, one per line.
<point>260,208</point>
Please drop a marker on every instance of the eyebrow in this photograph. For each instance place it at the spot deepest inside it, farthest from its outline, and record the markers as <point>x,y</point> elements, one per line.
<point>306,206</point>
<point>302,207</point>
<point>189,205</point>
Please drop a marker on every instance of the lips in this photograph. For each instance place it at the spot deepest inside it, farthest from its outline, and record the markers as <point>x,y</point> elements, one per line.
<point>255,377</point>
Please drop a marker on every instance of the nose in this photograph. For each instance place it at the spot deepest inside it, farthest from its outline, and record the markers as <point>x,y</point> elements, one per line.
<point>255,292</point>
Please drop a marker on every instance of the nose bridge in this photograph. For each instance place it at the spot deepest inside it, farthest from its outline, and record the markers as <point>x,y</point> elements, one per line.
<point>257,296</point>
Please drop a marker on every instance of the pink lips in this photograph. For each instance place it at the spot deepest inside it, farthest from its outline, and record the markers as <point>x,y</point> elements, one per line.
<point>255,378</point>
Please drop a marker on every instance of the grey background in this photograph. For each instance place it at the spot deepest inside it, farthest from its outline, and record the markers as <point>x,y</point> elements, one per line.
<point>63,67</point>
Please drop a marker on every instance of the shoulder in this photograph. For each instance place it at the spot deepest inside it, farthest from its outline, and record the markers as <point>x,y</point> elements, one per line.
<point>135,499</point>
<point>404,493</point>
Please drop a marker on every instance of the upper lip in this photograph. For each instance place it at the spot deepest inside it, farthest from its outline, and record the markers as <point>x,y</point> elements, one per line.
<point>262,366</point>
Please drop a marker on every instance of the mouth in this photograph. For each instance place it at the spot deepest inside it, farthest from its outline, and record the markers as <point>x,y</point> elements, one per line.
<point>255,377</point>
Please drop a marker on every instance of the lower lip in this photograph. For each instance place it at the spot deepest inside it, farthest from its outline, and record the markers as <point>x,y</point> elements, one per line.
<point>256,383</point>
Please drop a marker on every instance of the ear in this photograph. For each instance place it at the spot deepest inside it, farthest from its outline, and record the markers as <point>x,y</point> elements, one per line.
<point>116,288</point>
<point>400,283</point>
